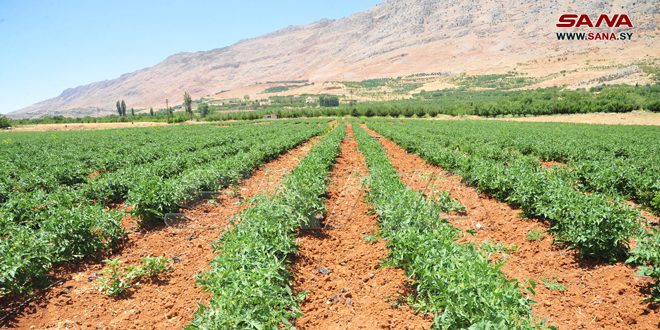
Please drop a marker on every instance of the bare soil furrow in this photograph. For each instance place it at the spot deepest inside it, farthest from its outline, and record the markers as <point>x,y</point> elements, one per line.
<point>339,266</point>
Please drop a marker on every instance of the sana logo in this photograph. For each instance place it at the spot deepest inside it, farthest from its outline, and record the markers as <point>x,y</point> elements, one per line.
<point>575,20</point>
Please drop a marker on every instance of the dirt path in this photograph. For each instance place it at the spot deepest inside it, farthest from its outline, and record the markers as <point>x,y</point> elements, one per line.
<point>628,118</point>
<point>596,296</point>
<point>168,305</point>
<point>340,268</point>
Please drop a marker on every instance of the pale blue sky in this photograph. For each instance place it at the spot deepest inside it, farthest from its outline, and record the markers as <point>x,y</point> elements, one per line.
<point>50,45</point>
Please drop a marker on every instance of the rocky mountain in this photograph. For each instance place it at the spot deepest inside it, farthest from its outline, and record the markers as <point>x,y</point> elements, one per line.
<point>397,37</point>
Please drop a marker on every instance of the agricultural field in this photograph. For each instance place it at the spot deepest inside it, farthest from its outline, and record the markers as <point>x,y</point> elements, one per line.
<point>332,223</point>
<point>63,195</point>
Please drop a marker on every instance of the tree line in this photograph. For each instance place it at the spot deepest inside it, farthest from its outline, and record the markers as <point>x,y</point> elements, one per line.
<point>488,103</point>
<point>454,102</point>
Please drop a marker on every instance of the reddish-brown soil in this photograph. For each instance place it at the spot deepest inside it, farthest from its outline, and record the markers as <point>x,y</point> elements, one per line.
<point>552,164</point>
<point>597,295</point>
<point>356,292</point>
<point>170,302</point>
<point>652,218</point>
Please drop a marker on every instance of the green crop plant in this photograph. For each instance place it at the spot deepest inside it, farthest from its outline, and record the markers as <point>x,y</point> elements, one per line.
<point>535,235</point>
<point>552,284</point>
<point>115,279</point>
<point>647,256</point>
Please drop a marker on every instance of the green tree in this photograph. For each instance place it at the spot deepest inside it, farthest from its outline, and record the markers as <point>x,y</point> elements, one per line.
<point>151,111</point>
<point>203,109</point>
<point>132,112</point>
<point>653,106</point>
<point>123,108</point>
<point>5,122</point>
<point>187,104</point>
<point>119,107</point>
<point>329,101</point>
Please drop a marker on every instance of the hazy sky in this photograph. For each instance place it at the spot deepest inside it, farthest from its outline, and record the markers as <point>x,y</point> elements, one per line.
<point>48,46</point>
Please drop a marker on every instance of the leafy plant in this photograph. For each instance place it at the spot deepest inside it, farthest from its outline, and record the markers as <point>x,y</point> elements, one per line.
<point>552,284</point>
<point>371,238</point>
<point>115,279</point>
<point>153,266</point>
<point>647,256</point>
<point>535,234</point>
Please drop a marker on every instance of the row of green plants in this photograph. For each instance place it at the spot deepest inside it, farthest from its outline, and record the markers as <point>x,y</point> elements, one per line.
<point>153,197</point>
<point>130,182</point>
<point>112,177</point>
<point>249,278</point>
<point>457,282</point>
<point>70,221</point>
<point>69,231</point>
<point>616,160</point>
<point>596,224</point>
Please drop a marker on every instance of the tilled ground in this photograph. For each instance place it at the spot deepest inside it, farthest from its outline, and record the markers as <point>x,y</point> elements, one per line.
<point>339,266</point>
<point>170,302</point>
<point>596,296</point>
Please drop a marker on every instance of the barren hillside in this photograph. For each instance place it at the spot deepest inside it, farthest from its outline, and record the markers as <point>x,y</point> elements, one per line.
<point>397,37</point>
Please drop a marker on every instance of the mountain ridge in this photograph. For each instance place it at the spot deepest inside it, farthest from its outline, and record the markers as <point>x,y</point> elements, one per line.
<point>396,37</point>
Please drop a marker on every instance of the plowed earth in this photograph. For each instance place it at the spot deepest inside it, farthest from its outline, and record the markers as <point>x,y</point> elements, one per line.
<point>339,265</point>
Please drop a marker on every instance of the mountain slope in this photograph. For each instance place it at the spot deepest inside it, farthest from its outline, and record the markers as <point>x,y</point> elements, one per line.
<point>394,38</point>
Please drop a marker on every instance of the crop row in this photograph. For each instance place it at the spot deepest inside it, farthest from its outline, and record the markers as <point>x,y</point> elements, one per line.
<point>39,229</point>
<point>455,281</point>
<point>249,278</point>
<point>153,197</point>
<point>595,224</point>
<point>615,160</point>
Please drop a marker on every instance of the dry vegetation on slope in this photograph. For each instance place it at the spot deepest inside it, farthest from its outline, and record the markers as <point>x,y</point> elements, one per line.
<point>397,37</point>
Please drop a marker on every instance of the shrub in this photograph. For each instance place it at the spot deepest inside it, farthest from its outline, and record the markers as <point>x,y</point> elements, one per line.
<point>5,122</point>
<point>653,106</point>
